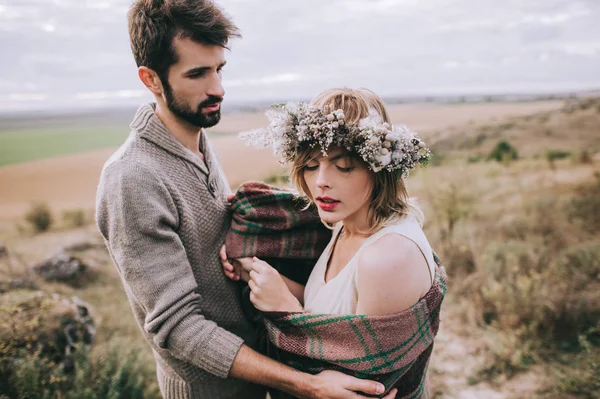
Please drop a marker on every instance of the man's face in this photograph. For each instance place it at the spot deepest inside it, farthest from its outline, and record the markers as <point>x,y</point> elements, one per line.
<point>193,91</point>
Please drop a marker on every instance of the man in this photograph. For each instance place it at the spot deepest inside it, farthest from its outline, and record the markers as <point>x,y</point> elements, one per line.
<point>162,211</point>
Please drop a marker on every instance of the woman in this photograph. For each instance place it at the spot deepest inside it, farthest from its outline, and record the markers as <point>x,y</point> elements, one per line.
<point>349,161</point>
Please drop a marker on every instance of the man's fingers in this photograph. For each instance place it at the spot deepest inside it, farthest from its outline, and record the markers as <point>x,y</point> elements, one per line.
<point>365,386</point>
<point>223,252</point>
<point>392,394</point>
<point>229,197</point>
<point>227,266</point>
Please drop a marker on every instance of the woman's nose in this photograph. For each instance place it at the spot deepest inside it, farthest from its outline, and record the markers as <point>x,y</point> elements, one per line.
<point>322,178</point>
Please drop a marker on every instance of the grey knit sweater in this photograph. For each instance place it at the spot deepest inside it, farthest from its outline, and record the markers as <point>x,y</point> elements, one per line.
<point>163,215</point>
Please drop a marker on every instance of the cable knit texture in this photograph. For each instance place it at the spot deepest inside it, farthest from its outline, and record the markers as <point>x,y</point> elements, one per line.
<point>163,215</point>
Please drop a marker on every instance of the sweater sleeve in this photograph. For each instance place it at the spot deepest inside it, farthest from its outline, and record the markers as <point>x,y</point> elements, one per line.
<point>138,219</point>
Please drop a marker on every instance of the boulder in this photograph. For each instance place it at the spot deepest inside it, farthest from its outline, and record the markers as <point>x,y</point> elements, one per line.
<point>33,321</point>
<point>17,284</point>
<point>63,268</point>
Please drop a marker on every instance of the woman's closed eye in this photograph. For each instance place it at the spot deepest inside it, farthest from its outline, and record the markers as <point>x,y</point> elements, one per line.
<point>311,167</point>
<point>345,169</point>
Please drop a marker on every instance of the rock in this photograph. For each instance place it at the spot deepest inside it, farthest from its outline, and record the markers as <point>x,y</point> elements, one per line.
<point>63,268</point>
<point>17,284</point>
<point>34,321</point>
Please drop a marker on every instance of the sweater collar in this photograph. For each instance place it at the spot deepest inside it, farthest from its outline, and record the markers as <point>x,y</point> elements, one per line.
<point>148,126</point>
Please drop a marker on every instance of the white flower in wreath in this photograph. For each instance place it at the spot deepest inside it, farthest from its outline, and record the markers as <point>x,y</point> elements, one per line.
<point>384,160</point>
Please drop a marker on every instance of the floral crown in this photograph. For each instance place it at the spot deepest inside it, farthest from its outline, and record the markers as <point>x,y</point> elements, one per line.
<point>299,125</point>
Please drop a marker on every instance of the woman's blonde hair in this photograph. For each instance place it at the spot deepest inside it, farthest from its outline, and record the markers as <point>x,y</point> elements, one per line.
<point>389,197</point>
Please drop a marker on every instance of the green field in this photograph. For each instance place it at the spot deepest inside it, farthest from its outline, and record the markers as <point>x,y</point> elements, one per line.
<point>33,144</point>
<point>38,143</point>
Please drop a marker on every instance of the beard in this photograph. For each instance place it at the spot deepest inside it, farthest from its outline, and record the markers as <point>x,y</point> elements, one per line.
<point>180,108</point>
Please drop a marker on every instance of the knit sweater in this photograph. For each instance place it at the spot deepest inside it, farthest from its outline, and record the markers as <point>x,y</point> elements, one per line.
<point>163,215</point>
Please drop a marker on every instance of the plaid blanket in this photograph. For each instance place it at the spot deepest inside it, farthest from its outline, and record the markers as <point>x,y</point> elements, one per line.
<point>274,225</point>
<point>373,347</point>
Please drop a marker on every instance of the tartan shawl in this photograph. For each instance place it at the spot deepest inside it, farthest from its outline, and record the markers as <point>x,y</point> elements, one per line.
<point>373,347</point>
<point>269,222</point>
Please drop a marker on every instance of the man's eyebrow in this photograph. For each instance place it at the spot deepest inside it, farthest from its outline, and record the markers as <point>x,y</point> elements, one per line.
<point>200,70</point>
<point>196,71</point>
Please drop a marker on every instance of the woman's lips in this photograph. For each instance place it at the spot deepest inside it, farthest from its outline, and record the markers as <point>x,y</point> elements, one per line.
<point>327,205</point>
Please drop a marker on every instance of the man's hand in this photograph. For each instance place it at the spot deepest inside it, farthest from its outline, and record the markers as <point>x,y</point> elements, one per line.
<point>336,385</point>
<point>235,269</point>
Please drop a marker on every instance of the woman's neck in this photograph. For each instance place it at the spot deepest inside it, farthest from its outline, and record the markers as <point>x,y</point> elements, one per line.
<point>357,225</point>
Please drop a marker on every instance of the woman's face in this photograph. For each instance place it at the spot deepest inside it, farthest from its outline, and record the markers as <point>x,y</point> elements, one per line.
<point>339,185</point>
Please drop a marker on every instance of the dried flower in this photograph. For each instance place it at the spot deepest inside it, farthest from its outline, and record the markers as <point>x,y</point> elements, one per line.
<point>393,148</point>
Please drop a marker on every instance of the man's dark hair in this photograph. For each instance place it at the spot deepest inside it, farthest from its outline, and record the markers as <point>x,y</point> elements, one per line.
<point>153,24</point>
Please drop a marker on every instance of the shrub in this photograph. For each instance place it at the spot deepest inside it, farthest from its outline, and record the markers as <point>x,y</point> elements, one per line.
<point>40,217</point>
<point>474,159</point>
<point>554,155</point>
<point>74,218</point>
<point>437,158</point>
<point>584,157</point>
<point>277,179</point>
<point>33,376</point>
<point>585,207</point>
<point>580,379</point>
<point>503,152</point>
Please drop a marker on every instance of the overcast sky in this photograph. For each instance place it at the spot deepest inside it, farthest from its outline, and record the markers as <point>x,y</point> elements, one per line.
<point>66,53</point>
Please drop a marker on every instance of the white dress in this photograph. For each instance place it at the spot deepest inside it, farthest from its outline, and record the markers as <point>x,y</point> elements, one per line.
<point>340,294</point>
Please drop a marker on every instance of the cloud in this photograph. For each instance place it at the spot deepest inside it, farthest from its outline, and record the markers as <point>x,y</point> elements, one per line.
<point>64,49</point>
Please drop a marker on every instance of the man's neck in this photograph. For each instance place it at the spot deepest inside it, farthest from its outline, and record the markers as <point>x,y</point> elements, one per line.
<point>185,133</point>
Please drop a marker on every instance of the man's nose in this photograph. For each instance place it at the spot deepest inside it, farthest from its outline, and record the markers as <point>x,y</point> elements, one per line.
<point>215,88</point>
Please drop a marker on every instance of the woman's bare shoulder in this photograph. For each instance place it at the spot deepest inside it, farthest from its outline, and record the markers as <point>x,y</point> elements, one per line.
<point>393,275</point>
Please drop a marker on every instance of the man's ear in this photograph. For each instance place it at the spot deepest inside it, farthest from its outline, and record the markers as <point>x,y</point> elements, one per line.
<point>151,80</point>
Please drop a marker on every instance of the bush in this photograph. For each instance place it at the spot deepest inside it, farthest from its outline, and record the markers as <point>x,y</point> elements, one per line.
<point>40,217</point>
<point>585,207</point>
<point>277,179</point>
<point>585,157</point>
<point>533,309</point>
<point>74,218</point>
<point>437,158</point>
<point>503,152</point>
<point>554,155</point>
<point>33,376</point>
<point>580,379</point>
<point>536,287</point>
<point>553,302</point>
<point>474,159</point>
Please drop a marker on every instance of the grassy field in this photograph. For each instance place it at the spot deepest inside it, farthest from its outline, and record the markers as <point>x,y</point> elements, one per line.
<point>30,145</point>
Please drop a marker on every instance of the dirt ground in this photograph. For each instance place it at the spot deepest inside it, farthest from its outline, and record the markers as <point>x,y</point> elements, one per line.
<point>69,182</point>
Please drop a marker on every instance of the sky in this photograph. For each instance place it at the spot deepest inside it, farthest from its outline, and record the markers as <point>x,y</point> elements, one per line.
<point>75,53</point>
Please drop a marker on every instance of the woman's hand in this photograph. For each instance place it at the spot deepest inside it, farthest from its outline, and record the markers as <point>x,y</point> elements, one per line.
<point>269,293</point>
